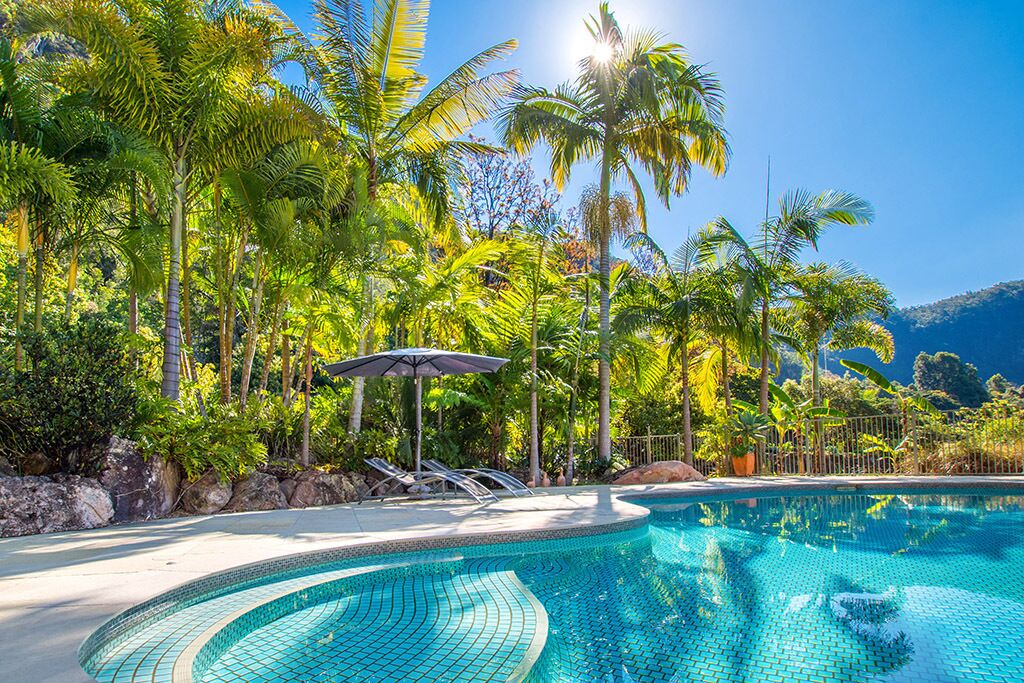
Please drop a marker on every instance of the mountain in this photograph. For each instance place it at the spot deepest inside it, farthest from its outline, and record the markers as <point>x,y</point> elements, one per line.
<point>985,328</point>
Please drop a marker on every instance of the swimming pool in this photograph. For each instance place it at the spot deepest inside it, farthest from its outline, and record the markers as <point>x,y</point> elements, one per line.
<point>828,586</point>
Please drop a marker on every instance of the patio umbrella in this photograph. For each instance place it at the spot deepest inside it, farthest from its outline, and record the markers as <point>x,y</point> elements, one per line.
<point>415,363</point>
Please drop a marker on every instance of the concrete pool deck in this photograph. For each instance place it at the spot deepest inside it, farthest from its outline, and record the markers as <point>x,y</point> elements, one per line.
<point>56,589</point>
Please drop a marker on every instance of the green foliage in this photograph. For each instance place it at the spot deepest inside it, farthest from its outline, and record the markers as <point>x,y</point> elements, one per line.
<point>945,372</point>
<point>983,327</point>
<point>80,390</point>
<point>226,443</point>
<point>997,384</point>
<point>747,429</point>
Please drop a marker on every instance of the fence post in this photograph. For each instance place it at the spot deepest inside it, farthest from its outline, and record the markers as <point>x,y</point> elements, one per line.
<point>650,450</point>
<point>913,437</point>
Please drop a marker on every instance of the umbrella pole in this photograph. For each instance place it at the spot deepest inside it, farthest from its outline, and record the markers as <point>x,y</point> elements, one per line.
<point>419,420</point>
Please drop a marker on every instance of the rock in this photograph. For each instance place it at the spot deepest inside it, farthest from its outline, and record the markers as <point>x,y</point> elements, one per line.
<point>39,505</point>
<point>37,465</point>
<point>206,495</point>
<point>258,491</point>
<point>314,488</point>
<point>6,468</point>
<point>660,473</point>
<point>359,483</point>
<point>141,489</point>
<point>374,478</point>
<point>287,488</point>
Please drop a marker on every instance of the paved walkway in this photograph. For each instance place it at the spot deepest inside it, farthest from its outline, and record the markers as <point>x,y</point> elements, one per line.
<point>56,589</point>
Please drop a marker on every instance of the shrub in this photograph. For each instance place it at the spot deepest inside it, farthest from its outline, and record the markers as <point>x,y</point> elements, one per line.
<point>225,442</point>
<point>80,389</point>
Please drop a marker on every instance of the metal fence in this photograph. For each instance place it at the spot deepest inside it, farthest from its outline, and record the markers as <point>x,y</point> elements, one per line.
<point>950,443</point>
<point>649,448</point>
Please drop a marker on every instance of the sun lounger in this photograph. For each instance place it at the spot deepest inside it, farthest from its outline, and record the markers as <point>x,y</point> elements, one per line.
<point>433,480</point>
<point>502,479</point>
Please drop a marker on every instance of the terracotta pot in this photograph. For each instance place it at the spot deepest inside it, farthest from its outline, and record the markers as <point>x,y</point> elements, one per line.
<point>743,466</point>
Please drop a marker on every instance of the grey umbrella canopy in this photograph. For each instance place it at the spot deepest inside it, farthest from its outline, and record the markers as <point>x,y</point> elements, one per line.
<point>415,363</point>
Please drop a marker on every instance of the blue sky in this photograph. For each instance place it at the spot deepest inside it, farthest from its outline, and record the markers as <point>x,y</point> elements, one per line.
<point>917,106</point>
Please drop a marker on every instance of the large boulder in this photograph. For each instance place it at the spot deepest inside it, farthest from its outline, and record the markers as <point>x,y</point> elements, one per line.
<point>141,489</point>
<point>39,505</point>
<point>314,488</point>
<point>258,491</point>
<point>206,495</point>
<point>660,473</point>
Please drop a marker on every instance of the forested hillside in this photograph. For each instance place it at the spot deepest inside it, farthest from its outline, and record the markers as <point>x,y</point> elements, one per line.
<point>985,328</point>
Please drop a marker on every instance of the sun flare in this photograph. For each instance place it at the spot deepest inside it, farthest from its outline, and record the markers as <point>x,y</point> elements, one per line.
<point>602,52</point>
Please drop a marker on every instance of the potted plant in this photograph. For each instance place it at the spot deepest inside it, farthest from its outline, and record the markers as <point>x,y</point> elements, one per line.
<point>748,429</point>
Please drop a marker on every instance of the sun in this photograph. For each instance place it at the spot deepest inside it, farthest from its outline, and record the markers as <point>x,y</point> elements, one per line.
<point>602,52</point>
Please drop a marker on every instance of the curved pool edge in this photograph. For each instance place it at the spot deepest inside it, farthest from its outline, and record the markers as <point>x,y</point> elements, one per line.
<point>138,616</point>
<point>125,623</point>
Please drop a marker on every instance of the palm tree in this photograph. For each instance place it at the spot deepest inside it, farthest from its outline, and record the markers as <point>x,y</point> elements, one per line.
<point>542,230</point>
<point>271,197</point>
<point>771,261</point>
<point>366,68</point>
<point>841,304</point>
<point>28,175</point>
<point>634,102</point>
<point>671,303</point>
<point>190,74</point>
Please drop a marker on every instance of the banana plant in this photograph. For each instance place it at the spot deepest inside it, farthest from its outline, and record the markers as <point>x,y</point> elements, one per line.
<point>909,405</point>
<point>803,419</point>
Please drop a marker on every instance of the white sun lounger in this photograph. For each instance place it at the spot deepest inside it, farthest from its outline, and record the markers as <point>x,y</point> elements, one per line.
<point>470,487</point>
<point>502,479</point>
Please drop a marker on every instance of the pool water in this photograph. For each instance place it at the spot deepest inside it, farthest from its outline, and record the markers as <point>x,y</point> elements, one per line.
<point>822,588</point>
<point>839,587</point>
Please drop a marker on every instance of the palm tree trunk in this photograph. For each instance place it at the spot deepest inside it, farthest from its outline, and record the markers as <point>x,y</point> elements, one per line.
<point>231,277</point>
<point>186,286</point>
<point>687,422</point>
<point>286,371</point>
<point>726,391</point>
<point>816,401</point>
<point>171,368</point>
<point>220,276</point>
<point>133,312</point>
<point>570,460</point>
<point>252,330</point>
<point>355,415</point>
<point>23,242</point>
<point>37,324</point>
<point>304,456</point>
<point>534,428</point>
<point>604,433</point>
<point>363,346</point>
<point>763,397</point>
<point>275,328</point>
<point>72,280</point>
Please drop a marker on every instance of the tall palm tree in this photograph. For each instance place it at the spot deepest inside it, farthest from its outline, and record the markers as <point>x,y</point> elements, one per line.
<point>366,67</point>
<point>729,322</point>
<point>671,303</point>
<point>635,102</point>
<point>28,175</point>
<point>771,261</point>
<point>542,230</point>
<point>193,75</point>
